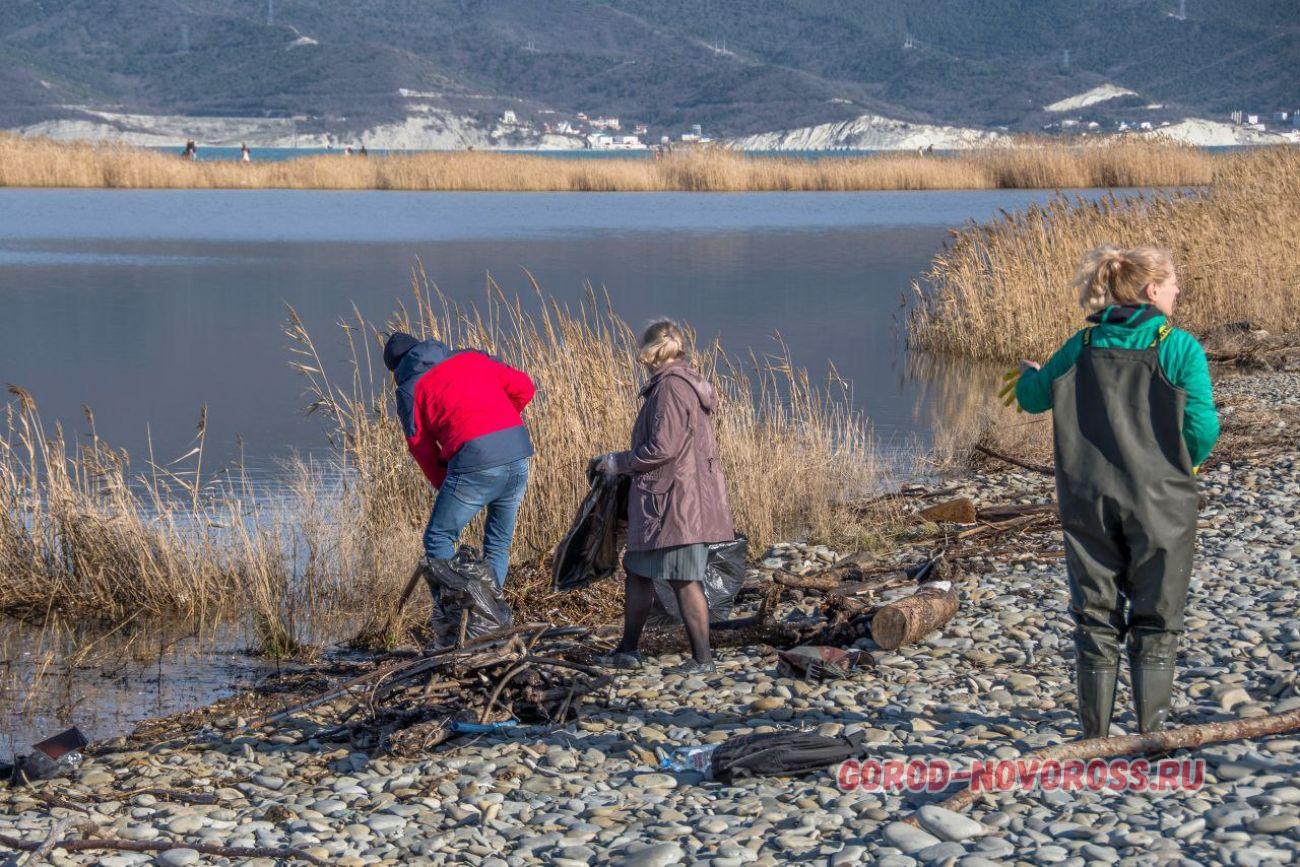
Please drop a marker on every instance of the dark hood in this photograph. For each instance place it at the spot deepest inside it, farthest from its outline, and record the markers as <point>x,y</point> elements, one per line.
<point>1120,314</point>
<point>704,390</point>
<point>421,358</point>
<point>418,360</point>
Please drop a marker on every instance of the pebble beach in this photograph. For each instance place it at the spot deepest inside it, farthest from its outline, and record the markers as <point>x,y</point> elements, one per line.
<point>995,683</point>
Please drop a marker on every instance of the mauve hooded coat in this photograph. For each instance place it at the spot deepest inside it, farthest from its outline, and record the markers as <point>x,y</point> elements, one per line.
<point>678,495</point>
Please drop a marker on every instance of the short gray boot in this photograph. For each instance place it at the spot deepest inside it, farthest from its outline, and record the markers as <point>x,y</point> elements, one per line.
<point>1153,689</point>
<point>1096,686</point>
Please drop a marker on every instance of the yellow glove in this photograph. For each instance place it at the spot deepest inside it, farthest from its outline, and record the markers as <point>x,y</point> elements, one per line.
<point>1007,395</point>
<point>1196,469</point>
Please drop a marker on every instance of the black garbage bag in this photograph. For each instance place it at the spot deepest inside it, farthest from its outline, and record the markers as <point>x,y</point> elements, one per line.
<point>723,576</point>
<point>464,588</point>
<point>780,754</point>
<point>589,551</point>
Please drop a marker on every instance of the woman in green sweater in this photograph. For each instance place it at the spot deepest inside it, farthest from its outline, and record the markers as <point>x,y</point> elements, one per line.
<point>1133,418</point>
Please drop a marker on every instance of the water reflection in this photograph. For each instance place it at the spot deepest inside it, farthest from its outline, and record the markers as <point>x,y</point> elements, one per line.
<point>59,675</point>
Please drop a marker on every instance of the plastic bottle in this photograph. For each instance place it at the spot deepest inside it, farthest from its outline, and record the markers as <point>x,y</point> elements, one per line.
<point>690,759</point>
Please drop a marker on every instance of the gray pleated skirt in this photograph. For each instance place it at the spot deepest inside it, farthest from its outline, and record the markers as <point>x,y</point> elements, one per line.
<point>679,563</point>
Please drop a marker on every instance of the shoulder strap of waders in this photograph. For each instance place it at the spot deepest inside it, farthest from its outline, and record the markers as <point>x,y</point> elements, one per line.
<point>1087,336</point>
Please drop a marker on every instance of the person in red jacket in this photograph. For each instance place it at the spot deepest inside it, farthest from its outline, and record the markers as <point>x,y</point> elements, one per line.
<point>462,414</point>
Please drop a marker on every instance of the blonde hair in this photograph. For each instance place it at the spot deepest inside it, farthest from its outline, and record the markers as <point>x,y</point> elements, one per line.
<point>1112,275</point>
<point>663,341</point>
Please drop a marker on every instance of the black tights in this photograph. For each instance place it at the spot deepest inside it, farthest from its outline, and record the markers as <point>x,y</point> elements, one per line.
<point>690,601</point>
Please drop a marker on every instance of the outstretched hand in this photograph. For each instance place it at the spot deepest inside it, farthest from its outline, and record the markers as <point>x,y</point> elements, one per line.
<point>604,466</point>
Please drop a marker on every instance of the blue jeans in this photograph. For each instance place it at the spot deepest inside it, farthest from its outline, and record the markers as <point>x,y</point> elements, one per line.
<point>464,495</point>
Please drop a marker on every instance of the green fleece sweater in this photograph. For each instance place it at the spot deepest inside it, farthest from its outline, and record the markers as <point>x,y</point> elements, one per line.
<point>1181,358</point>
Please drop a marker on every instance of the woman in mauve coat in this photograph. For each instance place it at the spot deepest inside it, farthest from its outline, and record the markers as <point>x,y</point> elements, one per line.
<point>677,503</point>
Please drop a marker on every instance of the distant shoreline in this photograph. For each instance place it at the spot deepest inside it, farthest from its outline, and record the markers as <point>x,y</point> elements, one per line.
<point>33,162</point>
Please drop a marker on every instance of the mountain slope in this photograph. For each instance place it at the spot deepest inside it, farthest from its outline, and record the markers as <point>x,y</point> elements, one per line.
<point>744,66</point>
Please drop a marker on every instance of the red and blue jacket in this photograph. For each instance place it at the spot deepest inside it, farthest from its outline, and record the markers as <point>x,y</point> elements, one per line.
<point>461,410</point>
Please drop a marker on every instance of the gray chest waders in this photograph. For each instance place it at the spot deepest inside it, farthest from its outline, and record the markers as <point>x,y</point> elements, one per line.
<point>1128,507</point>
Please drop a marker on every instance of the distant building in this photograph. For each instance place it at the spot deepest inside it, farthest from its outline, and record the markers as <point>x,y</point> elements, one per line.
<point>1146,124</point>
<point>1280,117</point>
<point>1067,123</point>
<point>1252,119</point>
<point>605,142</point>
<point>606,123</point>
<point>640,129</point>
<point>1236,116</point>
<point>1092,124</point>
<point>509,118</point>
<point>566,128</point>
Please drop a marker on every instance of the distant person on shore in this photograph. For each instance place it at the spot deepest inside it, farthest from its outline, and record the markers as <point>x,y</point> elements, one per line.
<point>364,152</point>
<point>191,150</point>
<point>1133,418</point>
<point>244,155</point>
<point>347,150</point>
<point>677,504</point>
<point>461,412</point>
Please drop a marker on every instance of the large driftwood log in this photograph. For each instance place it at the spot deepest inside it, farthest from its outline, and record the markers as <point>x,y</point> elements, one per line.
<point>911,618</point>
<point>1184,737</point>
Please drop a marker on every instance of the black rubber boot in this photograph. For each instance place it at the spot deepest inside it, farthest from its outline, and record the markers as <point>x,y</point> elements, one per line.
<point>1096,686</point>
<point>1153,689</point>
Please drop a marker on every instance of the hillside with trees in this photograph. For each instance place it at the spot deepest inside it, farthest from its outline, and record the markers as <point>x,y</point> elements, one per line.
<point>736,67</point>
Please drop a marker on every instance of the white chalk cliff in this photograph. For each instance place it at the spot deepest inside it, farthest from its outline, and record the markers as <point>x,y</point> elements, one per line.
<point>868,132</point>
<point>1103,93</point>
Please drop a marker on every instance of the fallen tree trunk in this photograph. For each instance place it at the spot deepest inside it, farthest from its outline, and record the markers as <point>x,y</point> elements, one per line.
<point>913,617</point>
<point>1183,737</point>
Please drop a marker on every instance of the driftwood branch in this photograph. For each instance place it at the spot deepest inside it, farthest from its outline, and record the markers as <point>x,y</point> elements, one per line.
<point>1183,737</point>
<point>1016,462</point>
<point>411,584</point>
<point>41,851</point>
<point>993,514</point>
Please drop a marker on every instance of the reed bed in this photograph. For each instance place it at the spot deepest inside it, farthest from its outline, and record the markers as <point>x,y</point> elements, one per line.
<point>31,162</point>
<point>1001,291</point>
<point>84,536</point>
<point>794,453</point>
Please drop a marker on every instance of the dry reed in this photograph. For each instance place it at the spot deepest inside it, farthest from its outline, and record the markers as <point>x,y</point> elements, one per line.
<point>83,535</point>
<point>1001,290</point>
<point>26,162</point>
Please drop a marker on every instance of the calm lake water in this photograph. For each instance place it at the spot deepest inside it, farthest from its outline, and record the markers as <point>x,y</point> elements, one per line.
<point>144,305</point>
